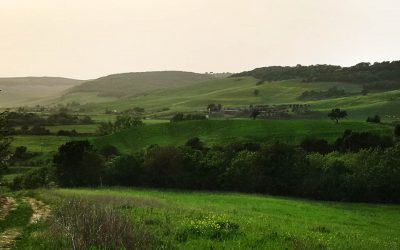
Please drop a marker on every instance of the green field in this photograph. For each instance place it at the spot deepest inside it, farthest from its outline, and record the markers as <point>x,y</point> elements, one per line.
<point>225,131</point>
<point>43,144</point>
<point>188,220</point>
<point>233,92</point>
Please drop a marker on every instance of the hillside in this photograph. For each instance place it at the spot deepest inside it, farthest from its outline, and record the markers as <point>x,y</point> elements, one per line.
<point>225,131</point>
<point>26,90</point>
<point>233,92</point>
<point>227,91</point>
<point>132,84</point>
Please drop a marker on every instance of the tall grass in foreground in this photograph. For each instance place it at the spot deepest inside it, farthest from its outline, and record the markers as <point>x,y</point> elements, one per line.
<point>86,224</point>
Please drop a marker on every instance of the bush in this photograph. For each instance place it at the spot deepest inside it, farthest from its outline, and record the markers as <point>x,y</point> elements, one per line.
<point>397,131</point>
<point>77,164</point>
<point>109,151</point>
<point>316,145</point>
<point>84,224</point>
<point>374,119</point>
<point>126,170</point>
<point>37,178</point>
<point>164,166</point>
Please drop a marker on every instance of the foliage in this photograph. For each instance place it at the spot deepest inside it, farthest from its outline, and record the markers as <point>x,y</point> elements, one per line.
<point>121,123</point>
<point>374,119</point>
<point>36,178</point>
<point>82,224</point>
<point>371,75</point>
<point>337,114</point>
<point>188,117</point>
<point>77,164</point>
<point>333,92</point>
<point>5,142</point>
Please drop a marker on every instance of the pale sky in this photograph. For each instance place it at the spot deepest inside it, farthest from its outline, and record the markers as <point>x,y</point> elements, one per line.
<point>92,38</point>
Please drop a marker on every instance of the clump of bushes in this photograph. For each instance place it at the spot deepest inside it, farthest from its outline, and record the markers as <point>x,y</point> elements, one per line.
<point>84,224</point>
<point>188,117</point>
<point>374,119</point>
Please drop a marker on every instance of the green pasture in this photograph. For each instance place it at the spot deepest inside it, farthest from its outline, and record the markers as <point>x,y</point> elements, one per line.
<point>192,220</point>
<point>225,131</point>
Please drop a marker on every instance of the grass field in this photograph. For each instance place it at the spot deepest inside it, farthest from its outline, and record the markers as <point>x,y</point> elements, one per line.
<point>225,131</point>
<point>43,144</point>
<point>239,92</point>
<point>227,91</point>
<point>192,220</point>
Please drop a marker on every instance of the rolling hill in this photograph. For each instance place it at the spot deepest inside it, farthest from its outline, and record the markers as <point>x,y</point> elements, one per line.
<point>20,91</point>
<point>133,84</point>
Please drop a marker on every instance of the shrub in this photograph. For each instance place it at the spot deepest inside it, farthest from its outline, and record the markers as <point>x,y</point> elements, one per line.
<point>374,119</point>
<point>164,166</point>
<point>397,131</point>
<point>316,145</point>
<point>83,224</point>
<point>77,164</point>
<point>36,178</point>
<point>126,170</point>
<point>109,151</point>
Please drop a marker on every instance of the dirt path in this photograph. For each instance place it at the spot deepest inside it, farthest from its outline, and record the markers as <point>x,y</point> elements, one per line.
<point>8,237</point>
<point>6,205</point>
<point>40,212</point>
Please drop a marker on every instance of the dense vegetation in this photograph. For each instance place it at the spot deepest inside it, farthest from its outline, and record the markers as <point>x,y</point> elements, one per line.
<point>357,167</point>
<point>377,76</point>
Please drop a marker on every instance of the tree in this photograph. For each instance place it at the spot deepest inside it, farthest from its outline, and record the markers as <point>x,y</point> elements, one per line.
<point>5,141</point>
<point>374,119</point>
<point>337,114</point>
<point>106,128</point>
<point>256,92</point>
<point>109,151</point>
<point>254,113</point>
<point>397,131</point>
<point>195,143</point>
<point>77,164</point>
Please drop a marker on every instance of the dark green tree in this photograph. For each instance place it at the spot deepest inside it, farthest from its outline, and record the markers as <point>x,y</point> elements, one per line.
<point>337,114</point>
<point>77,164</point>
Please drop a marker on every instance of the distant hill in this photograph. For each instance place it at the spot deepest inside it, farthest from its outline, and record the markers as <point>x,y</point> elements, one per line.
<point>133,84</point>
<point>20,91</point>
<point>382,76</point>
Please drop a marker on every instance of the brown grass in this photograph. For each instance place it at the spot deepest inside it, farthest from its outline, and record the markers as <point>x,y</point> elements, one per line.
<point>86,223</point>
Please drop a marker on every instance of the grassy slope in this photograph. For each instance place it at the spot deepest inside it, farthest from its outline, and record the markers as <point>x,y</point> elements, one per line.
<point>221,132</point>
<point>28,90</point>
<point>131,84</point>
<point>239,92</point>
<point>227,91</point>
<point>264,222</point>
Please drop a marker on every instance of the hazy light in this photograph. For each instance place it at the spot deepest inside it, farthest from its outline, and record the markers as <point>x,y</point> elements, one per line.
<point>91,38</point>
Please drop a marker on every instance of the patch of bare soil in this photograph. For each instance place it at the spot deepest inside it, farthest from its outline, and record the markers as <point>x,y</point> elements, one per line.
<point>6,205</point>
<point>7,238</point>
<point>40,210</point>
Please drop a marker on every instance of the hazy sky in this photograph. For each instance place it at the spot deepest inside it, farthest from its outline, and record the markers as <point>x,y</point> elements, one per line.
<point>91,38</point>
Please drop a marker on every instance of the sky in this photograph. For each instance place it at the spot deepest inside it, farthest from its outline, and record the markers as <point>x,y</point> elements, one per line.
<point>86,39</point>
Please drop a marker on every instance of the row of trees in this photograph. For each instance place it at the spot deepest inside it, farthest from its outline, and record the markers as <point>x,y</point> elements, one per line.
<point>121,123</point>
<point>377,76</point>
<point>31,119</point>
<point>352,169</point>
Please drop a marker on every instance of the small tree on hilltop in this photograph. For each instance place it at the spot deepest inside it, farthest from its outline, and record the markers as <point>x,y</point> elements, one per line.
<point>337,114</point>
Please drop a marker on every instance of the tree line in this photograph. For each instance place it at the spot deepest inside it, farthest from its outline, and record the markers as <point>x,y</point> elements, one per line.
<point>377,76</point>
<point>356,167</point>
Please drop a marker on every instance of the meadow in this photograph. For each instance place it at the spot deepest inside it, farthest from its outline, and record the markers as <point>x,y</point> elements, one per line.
<point>204,220</point>
<point>225,131</point>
